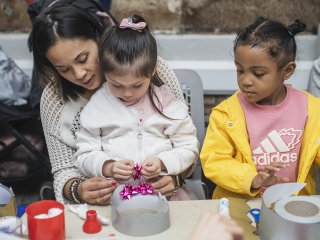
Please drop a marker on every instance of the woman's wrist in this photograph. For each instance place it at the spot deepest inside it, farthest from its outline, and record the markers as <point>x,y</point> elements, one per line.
<point>71,190</point>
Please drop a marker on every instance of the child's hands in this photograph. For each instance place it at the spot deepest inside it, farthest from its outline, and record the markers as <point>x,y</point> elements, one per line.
<point>120,170</point>
<point>123,169</point>
<point>266,175</point>
<point>151,167</point>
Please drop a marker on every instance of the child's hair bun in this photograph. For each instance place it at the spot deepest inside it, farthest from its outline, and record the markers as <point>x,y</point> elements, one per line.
<point>297,27</point>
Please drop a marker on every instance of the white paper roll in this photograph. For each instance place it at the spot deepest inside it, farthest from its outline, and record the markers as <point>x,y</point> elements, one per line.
<point>299,209</point>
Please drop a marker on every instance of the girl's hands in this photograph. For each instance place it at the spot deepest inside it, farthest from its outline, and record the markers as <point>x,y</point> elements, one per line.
<point>120,170</point>
<point>123,169</point>
<point>266,175</point>
<point>96,190</point>
<point>151,167</point>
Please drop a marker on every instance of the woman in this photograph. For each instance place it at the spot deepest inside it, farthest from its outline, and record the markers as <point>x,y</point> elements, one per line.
<point>66,56</point>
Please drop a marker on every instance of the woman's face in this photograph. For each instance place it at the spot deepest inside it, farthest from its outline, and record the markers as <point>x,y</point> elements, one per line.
<point>77,61</point>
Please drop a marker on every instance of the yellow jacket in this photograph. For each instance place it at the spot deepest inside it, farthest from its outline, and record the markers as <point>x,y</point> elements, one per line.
<point>226,156</point>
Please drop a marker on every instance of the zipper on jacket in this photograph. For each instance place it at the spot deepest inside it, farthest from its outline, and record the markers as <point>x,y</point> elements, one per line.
<point>140,134</point>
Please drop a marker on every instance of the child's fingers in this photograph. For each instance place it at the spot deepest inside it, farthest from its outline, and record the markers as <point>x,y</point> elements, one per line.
<point>124,166</point>
<point>260,168</point>
<point>121,177</point>
<point>123,172</point>
<point>281,179</point>
<point>127,162</point>
<point>264,174</point>
<point>272,168</point>
<point>259,179</point>
<point>280,164</point>
<point>151,176</point>
<point>151,168</point>
<point>144,172</point>
<point>276,166</point>
<point>147,163</point>
<point>152,171</point>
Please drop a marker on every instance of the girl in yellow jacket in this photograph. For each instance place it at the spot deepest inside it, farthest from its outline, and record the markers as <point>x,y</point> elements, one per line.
<point>268,132</point>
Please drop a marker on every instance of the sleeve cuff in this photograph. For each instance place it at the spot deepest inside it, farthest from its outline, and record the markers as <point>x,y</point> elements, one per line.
<point>247,181</point>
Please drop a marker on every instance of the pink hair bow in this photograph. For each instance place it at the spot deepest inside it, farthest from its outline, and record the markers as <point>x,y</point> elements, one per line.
<point>127,23</point>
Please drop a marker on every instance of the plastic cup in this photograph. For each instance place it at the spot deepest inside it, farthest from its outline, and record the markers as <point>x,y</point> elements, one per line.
<point>11,225</point>
<point>52,228</point>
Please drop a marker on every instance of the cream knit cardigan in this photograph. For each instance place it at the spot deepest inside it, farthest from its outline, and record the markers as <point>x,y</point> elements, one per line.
<point>60,120</point>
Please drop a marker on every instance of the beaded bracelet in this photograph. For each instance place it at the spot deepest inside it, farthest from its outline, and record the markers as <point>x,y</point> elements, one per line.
<point>73,190</point>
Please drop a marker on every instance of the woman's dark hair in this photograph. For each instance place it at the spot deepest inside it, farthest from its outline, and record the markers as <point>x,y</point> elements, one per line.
<point>123,49</point>
<point>275,37</point>
<point>60,21</point>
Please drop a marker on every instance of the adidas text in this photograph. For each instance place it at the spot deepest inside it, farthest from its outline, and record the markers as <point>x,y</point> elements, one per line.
<point>266,159</point>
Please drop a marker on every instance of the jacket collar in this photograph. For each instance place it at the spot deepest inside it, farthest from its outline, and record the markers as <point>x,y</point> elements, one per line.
<point>311,137</point>
<point>235,125</point>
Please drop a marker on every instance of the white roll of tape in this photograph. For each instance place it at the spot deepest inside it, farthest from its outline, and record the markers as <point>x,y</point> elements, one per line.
<point>299,209</point>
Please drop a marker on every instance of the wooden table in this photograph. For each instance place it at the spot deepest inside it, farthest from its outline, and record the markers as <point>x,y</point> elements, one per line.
<point>183,217</point>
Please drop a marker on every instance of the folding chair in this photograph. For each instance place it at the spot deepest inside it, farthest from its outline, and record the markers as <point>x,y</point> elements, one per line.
<point>192,90</point>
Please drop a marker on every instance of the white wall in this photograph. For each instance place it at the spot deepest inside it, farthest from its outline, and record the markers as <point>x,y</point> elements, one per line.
<point>211,56</point>
<point>15,46</point>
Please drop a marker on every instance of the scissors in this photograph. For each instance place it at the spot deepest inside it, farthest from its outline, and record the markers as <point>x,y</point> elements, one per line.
<point>255,213</point>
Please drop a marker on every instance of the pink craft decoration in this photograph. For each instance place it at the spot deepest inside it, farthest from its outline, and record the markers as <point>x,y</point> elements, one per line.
<point>137,171</point>
<point>129,191</point>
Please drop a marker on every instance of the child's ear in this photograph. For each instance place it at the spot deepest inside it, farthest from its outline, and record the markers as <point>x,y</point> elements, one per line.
<point>288,70</point>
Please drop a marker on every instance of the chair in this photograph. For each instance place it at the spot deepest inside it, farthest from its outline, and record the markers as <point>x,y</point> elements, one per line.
<point>192,89</point>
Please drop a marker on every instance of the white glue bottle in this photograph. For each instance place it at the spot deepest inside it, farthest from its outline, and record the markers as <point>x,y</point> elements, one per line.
<point>224,207</point>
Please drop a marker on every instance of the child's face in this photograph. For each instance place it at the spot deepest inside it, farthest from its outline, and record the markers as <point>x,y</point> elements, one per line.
<point>258,76</point>
<point>128,88</point>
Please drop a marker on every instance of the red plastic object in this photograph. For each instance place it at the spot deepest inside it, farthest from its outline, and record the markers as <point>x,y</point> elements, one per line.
<point>48,228</point>
<point>92,224</point>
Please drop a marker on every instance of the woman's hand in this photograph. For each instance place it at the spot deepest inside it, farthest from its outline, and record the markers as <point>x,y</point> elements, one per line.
<point>215,226</point>
<point>97,190</point>
<point>266,175</point>
<point>151,167</point>
<point>165,185</point>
